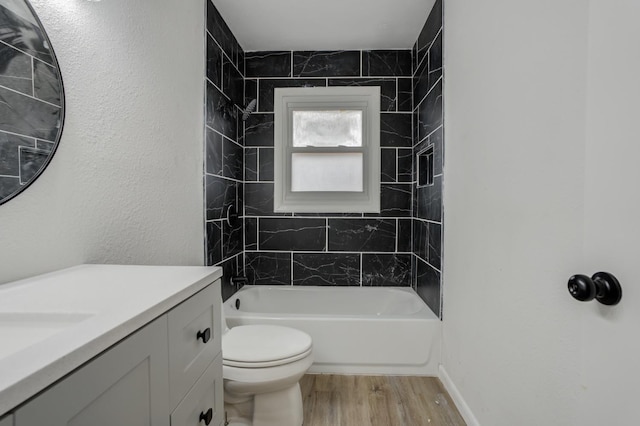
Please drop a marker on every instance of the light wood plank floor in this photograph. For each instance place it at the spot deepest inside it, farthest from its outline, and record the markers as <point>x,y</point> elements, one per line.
<point>334,400</point>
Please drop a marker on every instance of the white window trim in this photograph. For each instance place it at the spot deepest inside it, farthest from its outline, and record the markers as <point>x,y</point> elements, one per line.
<point>366,99</point>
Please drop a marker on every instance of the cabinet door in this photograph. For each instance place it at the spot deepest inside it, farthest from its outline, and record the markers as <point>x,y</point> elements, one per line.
<point>204,404</point>
<point>126,385</point>
<point>6,421</point>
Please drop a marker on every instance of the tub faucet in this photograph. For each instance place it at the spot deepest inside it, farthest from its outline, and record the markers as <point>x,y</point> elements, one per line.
<point>239,280</point>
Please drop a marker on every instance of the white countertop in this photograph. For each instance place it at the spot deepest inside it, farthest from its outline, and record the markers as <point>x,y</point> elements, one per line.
<point>53,323</point>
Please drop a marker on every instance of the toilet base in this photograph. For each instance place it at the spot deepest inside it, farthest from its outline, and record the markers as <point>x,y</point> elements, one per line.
<point>280,408</point>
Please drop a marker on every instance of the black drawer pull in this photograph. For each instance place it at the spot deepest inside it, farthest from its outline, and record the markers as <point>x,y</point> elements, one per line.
<point>205,336</point>
<point>206,417</point>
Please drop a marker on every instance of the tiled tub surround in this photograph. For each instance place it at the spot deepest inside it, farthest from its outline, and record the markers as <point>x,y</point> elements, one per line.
<point>30,101</point>
<point>427,200</point>
<point>401,246</point>
<point>224,154</point>
<point>329,249</point>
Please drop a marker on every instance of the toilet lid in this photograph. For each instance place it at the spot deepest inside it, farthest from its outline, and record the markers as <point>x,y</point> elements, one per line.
<point>263,344</point>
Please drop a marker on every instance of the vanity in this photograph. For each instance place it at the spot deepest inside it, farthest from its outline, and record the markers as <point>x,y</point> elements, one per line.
<point>106,345</point>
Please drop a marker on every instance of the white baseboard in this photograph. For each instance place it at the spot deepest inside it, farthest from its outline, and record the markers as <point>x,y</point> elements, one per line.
<point>455,394</point>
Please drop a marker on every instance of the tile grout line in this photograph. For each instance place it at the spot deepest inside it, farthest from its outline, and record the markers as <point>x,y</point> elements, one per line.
<point>326,232</point>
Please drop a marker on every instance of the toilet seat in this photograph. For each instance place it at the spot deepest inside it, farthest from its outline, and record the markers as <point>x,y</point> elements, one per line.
<point>262,346</point>
<point>266,364</point>
<point>274,376</point>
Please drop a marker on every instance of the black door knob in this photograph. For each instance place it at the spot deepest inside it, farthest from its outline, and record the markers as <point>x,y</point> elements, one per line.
<point>602,286</point>
<point>204,335</point>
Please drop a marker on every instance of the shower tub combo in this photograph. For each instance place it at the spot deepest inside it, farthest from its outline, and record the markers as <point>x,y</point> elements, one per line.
<point>355,330</point>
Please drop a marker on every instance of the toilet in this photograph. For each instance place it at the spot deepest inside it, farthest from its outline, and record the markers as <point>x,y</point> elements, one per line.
<point>261,368</point>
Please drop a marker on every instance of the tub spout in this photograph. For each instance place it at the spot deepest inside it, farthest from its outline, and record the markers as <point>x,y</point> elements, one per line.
<point>239,280</point>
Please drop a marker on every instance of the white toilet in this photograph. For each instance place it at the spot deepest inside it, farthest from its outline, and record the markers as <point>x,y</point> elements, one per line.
<point>262,365</point>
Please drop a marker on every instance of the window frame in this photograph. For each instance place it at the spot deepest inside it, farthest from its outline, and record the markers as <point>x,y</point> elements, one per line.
<point>365,99</point>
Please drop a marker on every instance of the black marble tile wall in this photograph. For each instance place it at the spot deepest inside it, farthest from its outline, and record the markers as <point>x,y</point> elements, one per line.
<point>395,200</point>
<point>224,153</point>
<point>327,63</point>
<point>231,267</point>
<point>258,130</point>
<point>429,32</point>
<point>386,62</point>
<point>268,267</point>
<point>430,111</point>
<point>30,101</point>
<point>386,269</point>
<point>259,200</point>
<point>428,131</point>
<point>429,286</point>
<point>388,89</point>
<point>330,249</point>
<point>220,32</point>
<point>395,130</point>
<point>401,245</point>
<point>338,269</point>
<point>363,235</point>
<point>292,234</point>
<point>268,64</point>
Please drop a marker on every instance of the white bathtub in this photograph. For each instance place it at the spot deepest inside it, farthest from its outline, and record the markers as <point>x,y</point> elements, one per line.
<point>355,330</point>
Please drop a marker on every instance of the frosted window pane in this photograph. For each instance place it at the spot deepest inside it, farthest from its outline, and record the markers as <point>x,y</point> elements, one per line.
<point>327,172</point>
<point>327,128</point>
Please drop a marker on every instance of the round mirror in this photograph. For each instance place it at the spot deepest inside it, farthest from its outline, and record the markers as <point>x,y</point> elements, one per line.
<point>31,98</point>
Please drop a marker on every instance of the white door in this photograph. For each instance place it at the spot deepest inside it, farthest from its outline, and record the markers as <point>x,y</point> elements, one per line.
<point>610,361</point>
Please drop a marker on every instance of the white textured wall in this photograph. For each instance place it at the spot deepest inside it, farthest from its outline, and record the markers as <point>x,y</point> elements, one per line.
<point>125,185</point>
<point>515,108</point>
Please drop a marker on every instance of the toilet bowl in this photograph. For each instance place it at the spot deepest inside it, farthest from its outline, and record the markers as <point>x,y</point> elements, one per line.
<point>262,365</point>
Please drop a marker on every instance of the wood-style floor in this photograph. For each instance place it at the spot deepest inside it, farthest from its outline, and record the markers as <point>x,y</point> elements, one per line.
<point>332,400</point>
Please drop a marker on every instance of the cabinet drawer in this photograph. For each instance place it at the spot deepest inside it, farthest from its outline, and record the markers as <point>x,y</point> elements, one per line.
<point>194,339</point>
<point>205,395</point>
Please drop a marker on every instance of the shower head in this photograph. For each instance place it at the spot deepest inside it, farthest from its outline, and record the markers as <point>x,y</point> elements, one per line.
<point>249,109</point>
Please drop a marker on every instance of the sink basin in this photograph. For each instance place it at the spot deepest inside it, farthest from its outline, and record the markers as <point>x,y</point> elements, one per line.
<point>24,329</point>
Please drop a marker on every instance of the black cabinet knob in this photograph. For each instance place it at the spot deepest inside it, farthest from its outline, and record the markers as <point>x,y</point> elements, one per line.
<point>602,286</point>
<point>204,335</point>
<point>206,416</point>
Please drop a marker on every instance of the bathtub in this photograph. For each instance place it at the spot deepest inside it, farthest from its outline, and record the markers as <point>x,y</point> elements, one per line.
<point>355,330</point>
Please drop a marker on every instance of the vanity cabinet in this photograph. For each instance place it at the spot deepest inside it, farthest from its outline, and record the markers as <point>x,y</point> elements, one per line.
<point>168,373</point>
<point>6,421</point>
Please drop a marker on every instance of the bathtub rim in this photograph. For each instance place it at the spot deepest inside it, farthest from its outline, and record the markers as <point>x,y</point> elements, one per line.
<point>425,313</point>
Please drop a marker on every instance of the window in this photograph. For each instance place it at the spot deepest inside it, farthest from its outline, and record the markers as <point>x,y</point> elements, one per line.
<point>327,150</point>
